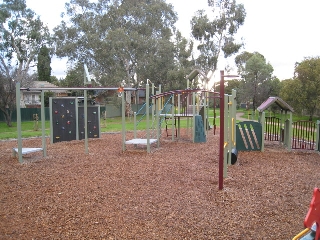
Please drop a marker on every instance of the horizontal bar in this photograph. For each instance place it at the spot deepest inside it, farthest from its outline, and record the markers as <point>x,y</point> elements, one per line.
<point>76,88</point>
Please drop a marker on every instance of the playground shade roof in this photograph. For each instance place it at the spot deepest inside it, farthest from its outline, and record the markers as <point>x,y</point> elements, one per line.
<point>271,100</point>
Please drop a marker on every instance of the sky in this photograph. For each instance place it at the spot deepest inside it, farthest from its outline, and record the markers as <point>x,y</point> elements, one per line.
<point>284,31</point>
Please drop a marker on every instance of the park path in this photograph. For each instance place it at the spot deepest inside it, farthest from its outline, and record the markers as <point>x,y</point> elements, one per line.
<point>240,118</point>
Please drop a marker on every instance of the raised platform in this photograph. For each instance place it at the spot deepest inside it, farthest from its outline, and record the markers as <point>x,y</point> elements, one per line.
<point>141,141</point>
<point>25,150</point>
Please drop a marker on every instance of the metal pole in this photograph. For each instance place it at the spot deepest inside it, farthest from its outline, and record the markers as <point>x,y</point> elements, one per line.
<point>148,118</point>
<point>43,125</point>
<point>19,122</point>
<point>85,106</point>
<point>221,145</point>
<point>51,121</point>
<point>123,118</point>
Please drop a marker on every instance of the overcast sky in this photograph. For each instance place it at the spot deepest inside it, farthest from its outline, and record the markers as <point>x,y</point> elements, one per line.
<point>283,31</point>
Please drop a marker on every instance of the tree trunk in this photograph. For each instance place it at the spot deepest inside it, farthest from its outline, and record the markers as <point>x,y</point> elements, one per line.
<point>7,115</point>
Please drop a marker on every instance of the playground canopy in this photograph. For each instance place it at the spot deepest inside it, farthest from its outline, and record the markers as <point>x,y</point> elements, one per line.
<point>282,104</point>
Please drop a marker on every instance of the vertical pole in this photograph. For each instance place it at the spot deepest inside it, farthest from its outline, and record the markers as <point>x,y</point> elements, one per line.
<point>226,131</point>
<point>123,106</point>
<point>221,145</point>
<point>290,132</point>
<point>135,125</point>
<point>99,117</point>
<point>153,102</point>
<point>158,125</point>
<point>263,117</point>
<point>317,135</point>
<point>76,105</point>
<point>51,120</point>
<point>86,121</point>
<point>205,112</point>
<point>179,95</point>
<point>19,122</point>
<point>43,125</point>
<point>172,118</point>
<point>234,112</point>
<point>193,135</point>
<point>214,114</point>
<point>148,120</point>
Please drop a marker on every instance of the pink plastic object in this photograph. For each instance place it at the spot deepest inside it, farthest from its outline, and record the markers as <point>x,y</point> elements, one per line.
<point>313,215</point>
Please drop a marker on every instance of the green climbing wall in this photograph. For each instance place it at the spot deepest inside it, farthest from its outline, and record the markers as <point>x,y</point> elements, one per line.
<point>199,135</point>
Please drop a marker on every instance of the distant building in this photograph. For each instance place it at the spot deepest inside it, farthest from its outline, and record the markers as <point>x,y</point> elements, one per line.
<point>32,99</point>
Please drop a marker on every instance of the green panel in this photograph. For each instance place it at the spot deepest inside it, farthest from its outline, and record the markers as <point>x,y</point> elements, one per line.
<point>249,136</point>
<point>200,135</point>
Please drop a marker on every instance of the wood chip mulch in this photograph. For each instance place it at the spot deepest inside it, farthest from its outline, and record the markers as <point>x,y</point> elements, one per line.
<point>171,193</point>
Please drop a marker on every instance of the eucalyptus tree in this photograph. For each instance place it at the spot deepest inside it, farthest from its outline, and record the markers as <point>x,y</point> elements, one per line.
<point>291,91</point>
<point>119,39</point>
<point>22,35</point>
<point>257,79</point>
<point>215,33</point>
<point>183,63</point>
<point>308,74</point>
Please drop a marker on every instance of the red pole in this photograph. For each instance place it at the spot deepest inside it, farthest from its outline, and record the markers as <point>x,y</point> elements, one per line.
<point>221,147</point>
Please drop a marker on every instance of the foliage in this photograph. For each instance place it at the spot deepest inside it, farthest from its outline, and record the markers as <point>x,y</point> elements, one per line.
<point>183,65</point>
<point>291,92</point>
<point>43,65</point>
<point>242,58</point>
<point>258,83</point>
<point>119,39</point>
<point>229,85</point>
<point>7,97</point>
<point>217,35</point>
<point>54,80</point>
<point>307,73</point>
<point>22,35</point>
<point>47,96</point>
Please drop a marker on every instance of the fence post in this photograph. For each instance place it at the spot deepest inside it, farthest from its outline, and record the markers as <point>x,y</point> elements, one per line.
<point>262,121</point>
<point>290,131</point>
<point>317,136</point>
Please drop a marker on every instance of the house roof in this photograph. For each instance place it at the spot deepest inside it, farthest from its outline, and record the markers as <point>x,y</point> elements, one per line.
<point>271,100</point>
<point>45,84</point>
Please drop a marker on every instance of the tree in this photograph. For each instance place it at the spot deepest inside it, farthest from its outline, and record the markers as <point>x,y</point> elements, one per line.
<point>242,58</point>
<point>183,64</point>
<point>7,97</point>
<point>54,80</point>
<point>257,75</point>
<point>292,92</point>
<point>217,35</point>
<point>308,73</point>
<point>119,39</point>
<point>22,35</point>
<point>43,65</point>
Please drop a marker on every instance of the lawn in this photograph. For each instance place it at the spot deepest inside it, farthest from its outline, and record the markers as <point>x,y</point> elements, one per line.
<point>111,125</point>
<point>108,125</point>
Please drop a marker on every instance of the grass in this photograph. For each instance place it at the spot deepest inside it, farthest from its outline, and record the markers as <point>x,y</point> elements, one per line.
<point>27,130</point>
<point>108,125</point>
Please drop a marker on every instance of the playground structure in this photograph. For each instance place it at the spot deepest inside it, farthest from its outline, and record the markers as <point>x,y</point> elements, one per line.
<point>303,135</point>
<point>87,81</point>
<point>170,114</point>
<point>312,219</point>
<point>293,135</point>
<point>227,148</point>
<point>67,120</point>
